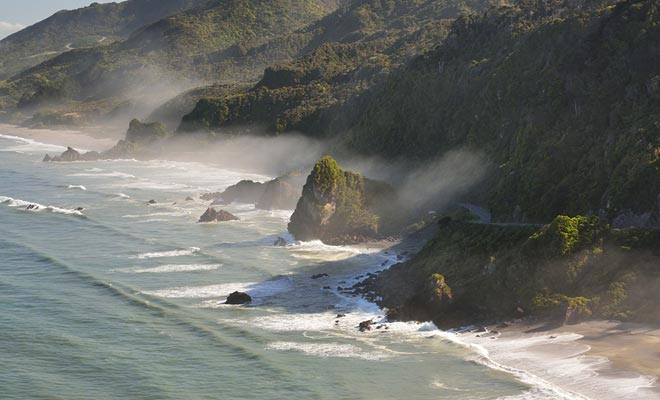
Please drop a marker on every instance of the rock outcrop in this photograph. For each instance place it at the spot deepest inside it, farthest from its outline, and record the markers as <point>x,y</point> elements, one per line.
<point>211,215</point>
<point>69,155</point>
<point>278,194</point>
<point>237,298</point>
<point>341,206</point>
<point>140,143</point>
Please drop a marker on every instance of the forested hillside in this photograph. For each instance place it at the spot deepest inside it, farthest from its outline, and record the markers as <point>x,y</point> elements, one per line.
<point>206,43</point>
<point>96,24</point>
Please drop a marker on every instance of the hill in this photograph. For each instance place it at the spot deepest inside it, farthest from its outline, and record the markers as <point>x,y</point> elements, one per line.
<point>94,25</point>
<point>344,55</point>
<point>159,60</point>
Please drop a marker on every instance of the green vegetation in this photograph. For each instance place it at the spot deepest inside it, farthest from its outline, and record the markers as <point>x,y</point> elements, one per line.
<point>570,269</point>
<point>144,133</point>
<point>98,24</point>
<point>341,206</point>
<point>215,41</point>
<point>558,94</point>
<point>341,57</point>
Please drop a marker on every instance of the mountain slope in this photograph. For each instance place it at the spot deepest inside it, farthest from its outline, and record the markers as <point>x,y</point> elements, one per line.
<point>344,55</point>
<point>160,60</point>
<point>88,26</point>
<point>563,97</point>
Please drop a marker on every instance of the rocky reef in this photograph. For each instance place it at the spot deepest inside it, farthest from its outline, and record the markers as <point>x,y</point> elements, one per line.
<point>341,207</point>
<point>570,270</point>
<point>281,193</point>
<point>212,215</point>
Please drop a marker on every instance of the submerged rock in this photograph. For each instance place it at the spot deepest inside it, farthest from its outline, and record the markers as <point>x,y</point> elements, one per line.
<point>152,202</point>
<point>238,298</point>
<point>211,215</point>
<point>280,242</point>
<point>318,276</point>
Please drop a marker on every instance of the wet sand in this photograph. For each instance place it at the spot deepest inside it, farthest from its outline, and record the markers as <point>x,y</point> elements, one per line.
<point>79,140</point>
<point>629,352</point>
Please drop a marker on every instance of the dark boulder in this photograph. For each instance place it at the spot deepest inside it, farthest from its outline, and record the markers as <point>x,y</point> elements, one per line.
<point>47,158</point>
<point>152,202</point>
<point>318,276</point>
<point>280,242</point>
<point>70,154</point>
<point>365,325</point>
<point>238,298</point>
<point>211,215</point>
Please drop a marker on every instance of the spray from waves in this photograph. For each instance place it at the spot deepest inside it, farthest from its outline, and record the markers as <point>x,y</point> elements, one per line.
<point>565,360</point>
<point>172,253</point>
<point>174,268</point>
<point>328,350</point>
<point>80,187</point>
<point>254,289</point>
<point>114,174</point>
<point>160,214</point>
<point>36,207</point>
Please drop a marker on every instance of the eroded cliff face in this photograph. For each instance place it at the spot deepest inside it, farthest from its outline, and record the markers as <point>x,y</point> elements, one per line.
<point>341,206</point>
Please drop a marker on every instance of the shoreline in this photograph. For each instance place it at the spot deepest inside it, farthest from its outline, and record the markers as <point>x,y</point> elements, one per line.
<point>624,345</point>
<point>594,360</point>
<point>79,140</point>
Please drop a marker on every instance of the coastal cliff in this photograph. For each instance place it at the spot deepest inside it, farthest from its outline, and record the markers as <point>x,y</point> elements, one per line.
<point>569,270</point>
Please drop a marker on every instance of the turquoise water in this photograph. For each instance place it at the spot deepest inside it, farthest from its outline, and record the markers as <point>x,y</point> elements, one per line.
<point>123,300</point>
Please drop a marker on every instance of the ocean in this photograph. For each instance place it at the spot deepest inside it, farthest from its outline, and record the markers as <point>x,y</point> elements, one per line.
<point>124,300</point>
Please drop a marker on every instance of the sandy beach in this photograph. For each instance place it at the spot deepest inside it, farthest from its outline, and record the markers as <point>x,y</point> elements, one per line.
<point>80,140</point>
<point>580,357</point>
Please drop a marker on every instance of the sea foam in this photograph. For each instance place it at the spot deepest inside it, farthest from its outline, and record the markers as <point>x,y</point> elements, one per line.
<point>36,207</point>
<point>171,253</point>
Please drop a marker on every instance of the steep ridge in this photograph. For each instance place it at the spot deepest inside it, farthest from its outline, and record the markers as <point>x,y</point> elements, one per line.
<point>343,56</point>
<point>84,27</point>
<point>201,44</point>
<point>561,95</point>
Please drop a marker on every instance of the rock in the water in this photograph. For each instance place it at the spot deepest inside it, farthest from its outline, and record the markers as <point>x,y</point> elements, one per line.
<point>278,195</point>
<point>189,199</point>
<point>70,154</point>
<point>245,191</point>
<point>238,298</point>
<point>365,325</point>
<point>280,241</point>
<point>47,158</point>
<point>318,276</point>
<point>341,207</point>
<point>211,215</point>
<point>152,202</point>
